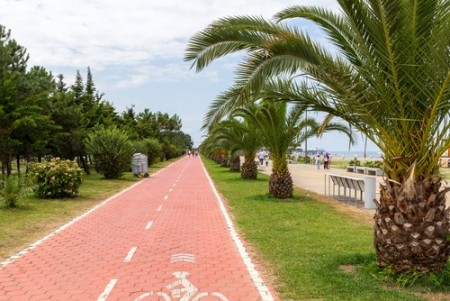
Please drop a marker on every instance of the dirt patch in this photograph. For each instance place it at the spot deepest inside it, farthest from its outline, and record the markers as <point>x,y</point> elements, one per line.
<point>434,296</point>
<point>347,268</point>
<point>361,215</point>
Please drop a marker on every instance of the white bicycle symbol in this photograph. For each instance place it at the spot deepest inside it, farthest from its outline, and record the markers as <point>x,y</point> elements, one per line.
<point>187,292</point>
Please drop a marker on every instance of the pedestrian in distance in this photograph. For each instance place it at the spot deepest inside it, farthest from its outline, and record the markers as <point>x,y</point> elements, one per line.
<point>261,156</point>
<point>325,161</point>
<point>318,161</point>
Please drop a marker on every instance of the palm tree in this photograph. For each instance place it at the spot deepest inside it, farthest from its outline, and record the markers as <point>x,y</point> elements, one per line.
<point>280,130</point>
<point>390,79</point>
<point>216,150</point>
<point>242,136</point>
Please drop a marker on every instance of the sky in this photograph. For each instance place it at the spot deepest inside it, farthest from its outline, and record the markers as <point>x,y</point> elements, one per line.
<point>135,50</point>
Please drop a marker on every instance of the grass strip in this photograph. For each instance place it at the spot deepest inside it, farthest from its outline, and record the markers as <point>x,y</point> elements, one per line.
<point>314,251</point>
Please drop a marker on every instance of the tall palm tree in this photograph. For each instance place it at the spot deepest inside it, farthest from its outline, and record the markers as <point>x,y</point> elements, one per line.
<point>242,136</point>
<point>390,79</point>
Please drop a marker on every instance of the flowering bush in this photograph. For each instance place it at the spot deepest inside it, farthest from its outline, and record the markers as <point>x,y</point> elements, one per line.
<point>57,178</point>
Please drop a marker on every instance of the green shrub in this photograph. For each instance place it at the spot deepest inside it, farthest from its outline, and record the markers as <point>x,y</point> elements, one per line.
<point>354,162</point>
<point>112,152</point>
<point>12,189</point>
<point>170,151</point>
<point>153,150</point>
<point>139,146</point>
<point>57,178</point>
<point>305,160</point>
<point>375,164</point>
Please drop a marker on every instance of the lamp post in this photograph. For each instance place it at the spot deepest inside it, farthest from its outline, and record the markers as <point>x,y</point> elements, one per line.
<point>306,136</point>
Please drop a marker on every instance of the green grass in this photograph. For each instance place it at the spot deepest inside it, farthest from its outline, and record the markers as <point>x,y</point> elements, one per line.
<point>34,218</point>
<point>314,251</point>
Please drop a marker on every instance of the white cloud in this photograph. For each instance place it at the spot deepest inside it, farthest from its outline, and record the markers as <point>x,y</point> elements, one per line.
<point>132,46</point>
<point>100,33</point>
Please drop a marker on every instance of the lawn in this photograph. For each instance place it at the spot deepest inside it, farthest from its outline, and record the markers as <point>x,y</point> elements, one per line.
<point>34,218</point>
<point>315,251</point>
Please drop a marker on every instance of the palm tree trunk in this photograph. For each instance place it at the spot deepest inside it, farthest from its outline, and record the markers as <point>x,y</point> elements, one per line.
<point>281,185</point>
<point>235,164</point>
<point>249,169</point>
<point>412,226</point>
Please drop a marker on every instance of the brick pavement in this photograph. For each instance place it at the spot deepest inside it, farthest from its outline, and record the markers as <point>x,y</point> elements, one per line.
<point>167,238</point>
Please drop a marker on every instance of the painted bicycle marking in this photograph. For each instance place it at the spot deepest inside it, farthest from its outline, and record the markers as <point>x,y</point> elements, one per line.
<point>182,257</point>
<point>181,289</point>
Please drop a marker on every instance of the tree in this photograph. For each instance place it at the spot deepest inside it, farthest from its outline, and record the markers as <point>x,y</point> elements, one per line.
<point>78,88</point>
<point>390,79</point>
<point>280,130</point>
<point>33,125</point>
<point>242,136</point>
<point>13,63</point>
<point>128,123</point>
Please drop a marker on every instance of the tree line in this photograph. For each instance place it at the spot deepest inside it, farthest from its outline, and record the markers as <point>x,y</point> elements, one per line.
<point>41,115</point>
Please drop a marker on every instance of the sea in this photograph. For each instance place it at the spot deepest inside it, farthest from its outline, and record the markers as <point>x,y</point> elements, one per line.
<point>352,154</point>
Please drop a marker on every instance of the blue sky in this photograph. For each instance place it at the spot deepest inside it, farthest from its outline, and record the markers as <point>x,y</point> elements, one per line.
<point>135,50</point>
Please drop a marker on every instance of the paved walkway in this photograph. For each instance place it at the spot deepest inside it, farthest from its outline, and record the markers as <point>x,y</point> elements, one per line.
<point>307,176</point>
<point>166,238</point>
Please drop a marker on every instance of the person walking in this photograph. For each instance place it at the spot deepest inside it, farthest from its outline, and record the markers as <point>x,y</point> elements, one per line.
<point>261,156</point>
<point>325,160</point>
<point>318,161</point>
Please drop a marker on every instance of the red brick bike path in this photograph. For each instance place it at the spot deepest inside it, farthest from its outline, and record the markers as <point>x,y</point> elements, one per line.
<point>166,238</point>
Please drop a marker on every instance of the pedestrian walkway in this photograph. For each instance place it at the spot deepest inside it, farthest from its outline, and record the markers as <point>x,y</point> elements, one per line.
<point>308,177</point>
<point>168,237</point>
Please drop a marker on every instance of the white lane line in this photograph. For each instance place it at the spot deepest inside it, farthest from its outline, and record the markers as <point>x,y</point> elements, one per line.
<point>254,275</point>
<point>107,290</point>
<point>159,208</point>
<point>166,197</point>
<point>170,190</point>
<point>130,254</point>
<point>149,224</point>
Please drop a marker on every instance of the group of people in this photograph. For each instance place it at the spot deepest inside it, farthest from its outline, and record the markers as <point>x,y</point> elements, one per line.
<point>326,160</point>
<point>193,153</point>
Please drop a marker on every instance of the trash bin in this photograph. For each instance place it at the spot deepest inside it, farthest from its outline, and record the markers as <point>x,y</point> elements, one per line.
<point>139,165</point>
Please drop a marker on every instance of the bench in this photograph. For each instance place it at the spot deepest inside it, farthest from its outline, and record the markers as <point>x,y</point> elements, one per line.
<point>351,168</point>
<point>361,170</point>
<point>361,190</point>
<point>373,171</point>
<point>348,184</point>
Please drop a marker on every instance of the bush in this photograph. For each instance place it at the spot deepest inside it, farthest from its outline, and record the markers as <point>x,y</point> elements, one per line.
<point>354,162</point>
<point>112,152</point>
<point>305,160</point>
<point>12,189</point>
<point>170,151</point>
<point>139,146</point>
<point>153,150</point>
<point>57,178</point>
<point>375,164</point>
